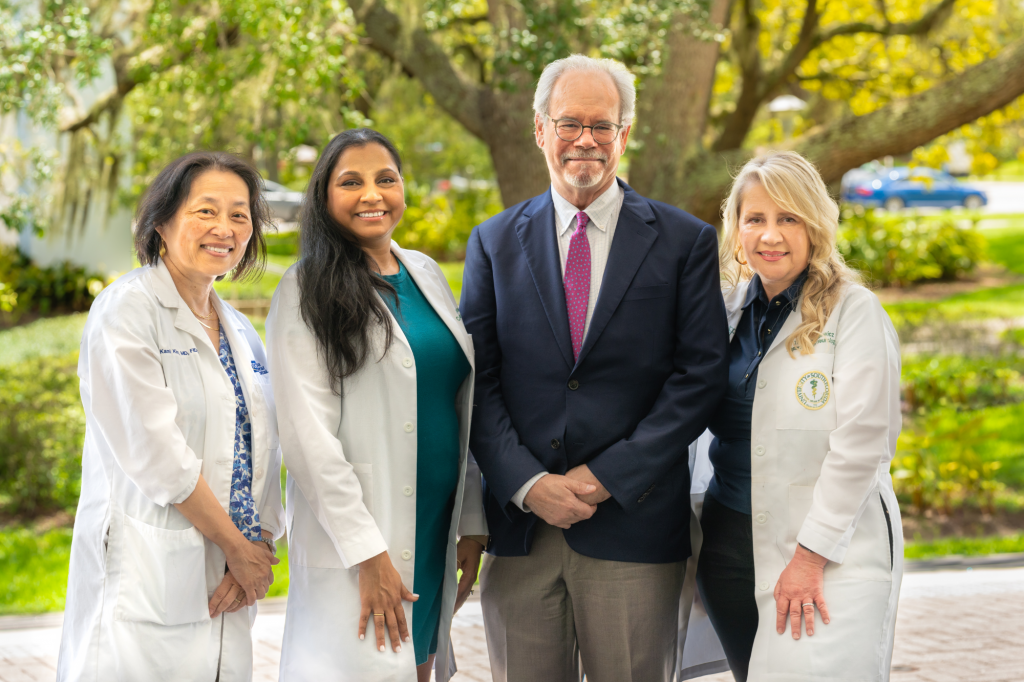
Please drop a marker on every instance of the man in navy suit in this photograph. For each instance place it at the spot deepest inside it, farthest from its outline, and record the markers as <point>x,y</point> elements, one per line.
<point>601,350</point>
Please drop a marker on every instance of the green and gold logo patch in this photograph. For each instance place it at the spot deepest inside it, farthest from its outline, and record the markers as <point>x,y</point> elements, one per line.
<point>812,390</point>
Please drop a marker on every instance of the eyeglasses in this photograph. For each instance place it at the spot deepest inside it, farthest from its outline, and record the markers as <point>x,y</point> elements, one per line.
<point>570,130</point>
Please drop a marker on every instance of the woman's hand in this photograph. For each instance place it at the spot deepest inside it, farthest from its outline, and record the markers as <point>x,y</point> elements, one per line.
<point>381,593</point>
<point>251,565</point>
<point>468,552</point>
<point>228,597</point>
<point>801,587</point>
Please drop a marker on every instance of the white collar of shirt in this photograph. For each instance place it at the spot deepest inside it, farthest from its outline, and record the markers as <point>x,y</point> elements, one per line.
<point>601,211</point>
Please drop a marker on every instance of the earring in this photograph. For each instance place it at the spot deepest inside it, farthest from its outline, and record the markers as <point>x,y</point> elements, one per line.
<point>163,248</point>
<point>736,255</point>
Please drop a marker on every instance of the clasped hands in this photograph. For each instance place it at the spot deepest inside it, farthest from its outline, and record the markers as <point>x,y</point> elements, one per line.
<point>564,500</point>
<point>248,578</point>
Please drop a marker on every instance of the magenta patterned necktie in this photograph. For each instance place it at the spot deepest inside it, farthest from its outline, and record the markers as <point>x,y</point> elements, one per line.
<point>577,282</point>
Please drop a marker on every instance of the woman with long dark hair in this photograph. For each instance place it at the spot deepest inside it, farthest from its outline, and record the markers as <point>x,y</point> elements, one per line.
<point>374,382</point>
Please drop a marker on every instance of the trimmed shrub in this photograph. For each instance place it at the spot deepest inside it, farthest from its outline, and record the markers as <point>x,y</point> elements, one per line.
<point>42,432</point>
<point>961,382</point>
<point>896,250</point>
<point>26,287</point>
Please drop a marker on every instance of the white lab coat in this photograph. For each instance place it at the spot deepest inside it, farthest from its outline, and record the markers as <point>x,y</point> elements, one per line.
<point>352,486</point>
<point>160,411</point>
<point>820,477</point>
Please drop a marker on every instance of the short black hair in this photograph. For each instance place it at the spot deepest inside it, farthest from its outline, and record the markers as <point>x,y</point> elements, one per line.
<point>169,191</point>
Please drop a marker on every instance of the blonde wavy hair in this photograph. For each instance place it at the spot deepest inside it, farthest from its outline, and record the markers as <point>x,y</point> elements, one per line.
<point>796,186</point>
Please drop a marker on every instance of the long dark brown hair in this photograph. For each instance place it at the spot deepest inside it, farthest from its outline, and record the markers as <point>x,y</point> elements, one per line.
<point>339,293</point>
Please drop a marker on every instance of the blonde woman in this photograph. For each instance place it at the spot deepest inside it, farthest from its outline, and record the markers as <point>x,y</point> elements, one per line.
<point>801,530</point>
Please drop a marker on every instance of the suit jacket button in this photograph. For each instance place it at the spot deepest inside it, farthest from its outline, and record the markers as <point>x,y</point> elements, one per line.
<point>573,384</point>
<point>555,444</point>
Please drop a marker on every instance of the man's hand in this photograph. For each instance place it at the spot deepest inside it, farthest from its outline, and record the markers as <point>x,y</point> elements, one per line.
<point>557,500</point>
<point>582,473</point>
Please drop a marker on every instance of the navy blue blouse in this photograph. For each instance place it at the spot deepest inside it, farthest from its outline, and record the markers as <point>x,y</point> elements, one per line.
<point>758,327</point>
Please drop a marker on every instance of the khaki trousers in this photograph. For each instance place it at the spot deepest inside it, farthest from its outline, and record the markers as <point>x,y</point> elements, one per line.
<point>546,613</point>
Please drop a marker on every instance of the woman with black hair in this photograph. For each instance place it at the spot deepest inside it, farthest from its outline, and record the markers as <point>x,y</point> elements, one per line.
<point>181,498</point>
<point>374,379</point>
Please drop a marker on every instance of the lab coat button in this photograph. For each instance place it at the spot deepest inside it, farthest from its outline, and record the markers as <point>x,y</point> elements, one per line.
<point>763,586</point>
<point>408,427</point>
<point>406,554</point>
<point>407,362</point>
<point>759,450</point>
<point>762,518</point>
<point>762,383</point>
<point>407,491</point>
<point>259,472</point>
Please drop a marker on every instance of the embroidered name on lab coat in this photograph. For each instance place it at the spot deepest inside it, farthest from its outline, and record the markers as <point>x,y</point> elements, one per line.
<point>175,351</point>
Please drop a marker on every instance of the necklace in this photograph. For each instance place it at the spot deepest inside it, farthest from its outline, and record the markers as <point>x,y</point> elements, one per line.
<point>205,317</point>
<point>212,329</point>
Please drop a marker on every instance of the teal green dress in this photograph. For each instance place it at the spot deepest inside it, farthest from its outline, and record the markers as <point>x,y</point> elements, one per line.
<point>441,367</point>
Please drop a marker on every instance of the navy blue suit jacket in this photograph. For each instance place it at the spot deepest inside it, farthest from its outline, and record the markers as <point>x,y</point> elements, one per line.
<point>652,368</point>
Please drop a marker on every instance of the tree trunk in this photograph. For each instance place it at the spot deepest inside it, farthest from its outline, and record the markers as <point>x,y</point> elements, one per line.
<point>672,110</point>
<point>508,133</point>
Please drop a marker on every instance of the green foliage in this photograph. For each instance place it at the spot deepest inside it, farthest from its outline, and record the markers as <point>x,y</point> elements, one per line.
<point>439,223</point>
<point>42,432</point>
<point>896,250</point>
<point>946,461</point>
<point>1010,544</point>
<point>28,288</point>
<point>282,244</point>
<point>31,40</point>
<point>33,570</point>
<point>931,382</point>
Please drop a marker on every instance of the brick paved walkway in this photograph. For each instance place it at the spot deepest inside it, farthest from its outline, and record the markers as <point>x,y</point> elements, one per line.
<point>953,626</point>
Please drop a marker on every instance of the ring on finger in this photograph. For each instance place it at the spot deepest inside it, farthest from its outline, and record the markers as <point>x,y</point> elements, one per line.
<point>808,604</point>
<point>378,614</point>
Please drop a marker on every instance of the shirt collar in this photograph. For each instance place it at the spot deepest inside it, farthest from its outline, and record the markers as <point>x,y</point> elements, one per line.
<point>600,210</point>
<point>756,290</point>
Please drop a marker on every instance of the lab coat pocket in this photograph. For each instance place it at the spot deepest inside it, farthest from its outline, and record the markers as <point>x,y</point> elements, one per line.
<point>163,575</point>
<point>804,392</point>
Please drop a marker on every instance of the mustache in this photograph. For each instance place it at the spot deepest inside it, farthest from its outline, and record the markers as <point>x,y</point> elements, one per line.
<point>584,154</point>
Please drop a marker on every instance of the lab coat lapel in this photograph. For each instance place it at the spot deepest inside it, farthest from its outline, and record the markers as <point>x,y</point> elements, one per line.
<point>434,293</point>
<point>538,237</point>
<point>633,239</point>
<point>167,294</point>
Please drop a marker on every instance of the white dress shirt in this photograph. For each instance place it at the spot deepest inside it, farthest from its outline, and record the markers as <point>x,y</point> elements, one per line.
<point>604,216</point>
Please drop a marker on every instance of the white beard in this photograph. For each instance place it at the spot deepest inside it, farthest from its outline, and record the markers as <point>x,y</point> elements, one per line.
<point>583,179</point>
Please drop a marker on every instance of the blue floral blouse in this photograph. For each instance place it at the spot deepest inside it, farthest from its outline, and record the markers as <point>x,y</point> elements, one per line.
<point>243,510</point>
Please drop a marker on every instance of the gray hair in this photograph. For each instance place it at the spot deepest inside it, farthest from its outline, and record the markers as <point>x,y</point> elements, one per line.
<point>624,82</point>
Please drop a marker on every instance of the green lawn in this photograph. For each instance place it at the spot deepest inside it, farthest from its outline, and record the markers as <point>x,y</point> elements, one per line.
<point>33,570</point>
<point>49,336</point>
<point>1011,544</point>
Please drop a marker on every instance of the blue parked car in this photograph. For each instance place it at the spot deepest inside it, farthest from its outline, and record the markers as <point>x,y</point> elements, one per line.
<point>897,188</point>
